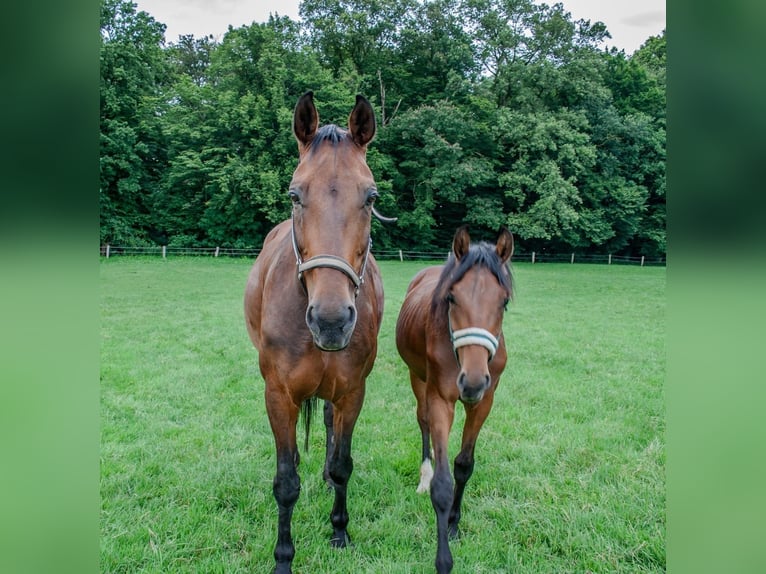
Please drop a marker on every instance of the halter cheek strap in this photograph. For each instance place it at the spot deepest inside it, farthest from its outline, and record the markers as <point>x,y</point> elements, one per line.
<point>474,336</point>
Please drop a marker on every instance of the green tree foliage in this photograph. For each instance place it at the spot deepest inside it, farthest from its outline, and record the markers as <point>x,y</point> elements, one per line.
<point>362,33</point>
<point>434,59</point>
<point>439,177</point>
<point>546,155</point>
<point>133,69</point>
<point>490,112</point>
<point>230,148</point>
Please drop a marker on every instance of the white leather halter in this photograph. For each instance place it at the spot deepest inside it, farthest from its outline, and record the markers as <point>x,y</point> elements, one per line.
<point>474,336</point>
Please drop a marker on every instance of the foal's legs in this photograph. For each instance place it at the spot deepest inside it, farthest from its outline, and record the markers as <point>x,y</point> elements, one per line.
<point>464,461</point>
<point>441,414</point>
<point>283,416</point>
<point>426,470</point>
<point>340,465</point>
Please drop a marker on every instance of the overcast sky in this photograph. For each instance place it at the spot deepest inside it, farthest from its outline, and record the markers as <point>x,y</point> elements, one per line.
<point>630,22</point>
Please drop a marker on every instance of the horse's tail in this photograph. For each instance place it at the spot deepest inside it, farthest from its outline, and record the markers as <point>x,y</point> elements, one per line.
<point>308,408</point>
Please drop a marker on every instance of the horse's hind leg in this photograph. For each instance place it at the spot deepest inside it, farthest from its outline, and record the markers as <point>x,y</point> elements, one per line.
<point>340,465</point>
<point>426,469</point>
<point>283,416</point>
<point>464,461</point>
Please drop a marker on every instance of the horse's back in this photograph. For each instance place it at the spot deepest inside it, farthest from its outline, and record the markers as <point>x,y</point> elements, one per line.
<point>413,321</point>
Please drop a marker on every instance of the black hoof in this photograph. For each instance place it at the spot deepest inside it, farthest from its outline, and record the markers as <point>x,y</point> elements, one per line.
<point>453,531</point>
<point>340,540</point>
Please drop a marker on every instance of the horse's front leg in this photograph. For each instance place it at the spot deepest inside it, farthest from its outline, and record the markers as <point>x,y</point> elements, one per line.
<point>283,416</point>
<point>464,461</point>
<point>426,469</point>
<point>340,465</point>
<point>329,435</point>
<point>441,414</point>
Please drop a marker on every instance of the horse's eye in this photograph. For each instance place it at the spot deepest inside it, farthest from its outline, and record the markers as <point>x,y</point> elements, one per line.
<point>295,198</point>
<point>450,298</point>
<point>505,303</point>
<point>371,197</point>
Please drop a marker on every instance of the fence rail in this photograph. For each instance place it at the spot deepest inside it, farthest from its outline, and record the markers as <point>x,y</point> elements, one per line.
<point>385,254</point>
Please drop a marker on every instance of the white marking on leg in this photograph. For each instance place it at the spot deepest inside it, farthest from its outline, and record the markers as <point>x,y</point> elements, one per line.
<point>426,474</point>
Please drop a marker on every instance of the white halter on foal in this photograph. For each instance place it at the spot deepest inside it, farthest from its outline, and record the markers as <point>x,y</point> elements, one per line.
<point>473,336</point>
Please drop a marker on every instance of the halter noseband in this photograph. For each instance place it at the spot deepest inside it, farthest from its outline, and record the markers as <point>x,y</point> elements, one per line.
<point>331,261</point>
<point>474,336</point>
<point>471,336</point>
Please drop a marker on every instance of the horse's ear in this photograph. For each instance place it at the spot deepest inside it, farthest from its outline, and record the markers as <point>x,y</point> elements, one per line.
<point>504,244</point>
<point>305,119</point>
<point>361,122</point>
<point>461,242</point>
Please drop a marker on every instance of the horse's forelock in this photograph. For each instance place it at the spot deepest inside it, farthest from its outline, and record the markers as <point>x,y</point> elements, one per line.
<point>328,133</point>
<point>483,254</point>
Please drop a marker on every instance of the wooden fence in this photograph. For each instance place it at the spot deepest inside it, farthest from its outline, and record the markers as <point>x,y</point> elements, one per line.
<point>385,254</point>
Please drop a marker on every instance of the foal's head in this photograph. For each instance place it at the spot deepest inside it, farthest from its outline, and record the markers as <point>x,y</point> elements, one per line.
<point>332,191</point>
<point>475,286</point>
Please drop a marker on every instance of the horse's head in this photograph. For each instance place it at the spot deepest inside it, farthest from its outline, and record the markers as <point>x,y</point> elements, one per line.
<point>332,191</point>
<point>477,296</point>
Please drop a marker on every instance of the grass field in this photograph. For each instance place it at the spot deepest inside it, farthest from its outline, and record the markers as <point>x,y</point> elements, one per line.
<point>569,466</point>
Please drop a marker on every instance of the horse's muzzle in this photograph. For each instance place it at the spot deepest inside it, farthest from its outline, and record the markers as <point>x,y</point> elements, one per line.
<point>472,389</point>
<point>331,328</point>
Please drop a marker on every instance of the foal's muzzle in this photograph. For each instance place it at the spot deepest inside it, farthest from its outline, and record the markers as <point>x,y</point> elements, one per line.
<point>472,383</point>
<point>472,387</point>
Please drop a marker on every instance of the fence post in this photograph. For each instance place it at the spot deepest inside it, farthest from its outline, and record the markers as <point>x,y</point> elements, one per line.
<point>400,256</point>
<point>107,251</point>
<point>217,249</point>
<point>533,257</point>
<point>164,247</point>
<point>610,259</point>
<point>572,260</point>
<point>642,261</point>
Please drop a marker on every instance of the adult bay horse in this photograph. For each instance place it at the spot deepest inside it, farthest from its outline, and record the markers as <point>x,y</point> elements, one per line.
<point>313,306</point>
<point>450,335</point>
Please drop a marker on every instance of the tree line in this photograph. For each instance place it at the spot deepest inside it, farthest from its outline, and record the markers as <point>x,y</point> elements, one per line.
<point>490,112</point>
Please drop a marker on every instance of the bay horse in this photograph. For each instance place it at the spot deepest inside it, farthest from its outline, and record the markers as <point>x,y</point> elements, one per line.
<point>314,304</point>
<point>450,334</point>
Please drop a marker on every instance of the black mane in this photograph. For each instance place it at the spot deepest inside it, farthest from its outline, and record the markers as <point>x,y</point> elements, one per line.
<point>329,133</point>
<point>484,254</point>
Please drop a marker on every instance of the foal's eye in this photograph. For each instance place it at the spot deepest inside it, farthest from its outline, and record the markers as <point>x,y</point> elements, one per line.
<point>505,303</point>
<point>450,298</point>
<point>295,198</point>
<point>372,195</point>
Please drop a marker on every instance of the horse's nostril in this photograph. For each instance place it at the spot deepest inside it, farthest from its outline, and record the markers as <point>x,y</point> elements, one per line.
<point>351,313</point>
<point>310,314</point>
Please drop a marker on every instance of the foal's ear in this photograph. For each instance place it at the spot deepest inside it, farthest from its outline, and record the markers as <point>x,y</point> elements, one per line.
<point>305,119</point>
<point>504,244</point>
<point>461,242</point>
<point>361,122</point>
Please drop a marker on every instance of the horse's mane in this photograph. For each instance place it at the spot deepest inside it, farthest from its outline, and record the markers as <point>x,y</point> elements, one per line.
<point>484,254</point>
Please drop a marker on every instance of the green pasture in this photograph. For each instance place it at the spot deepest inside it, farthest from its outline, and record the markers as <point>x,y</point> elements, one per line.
<point>569,473</point>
